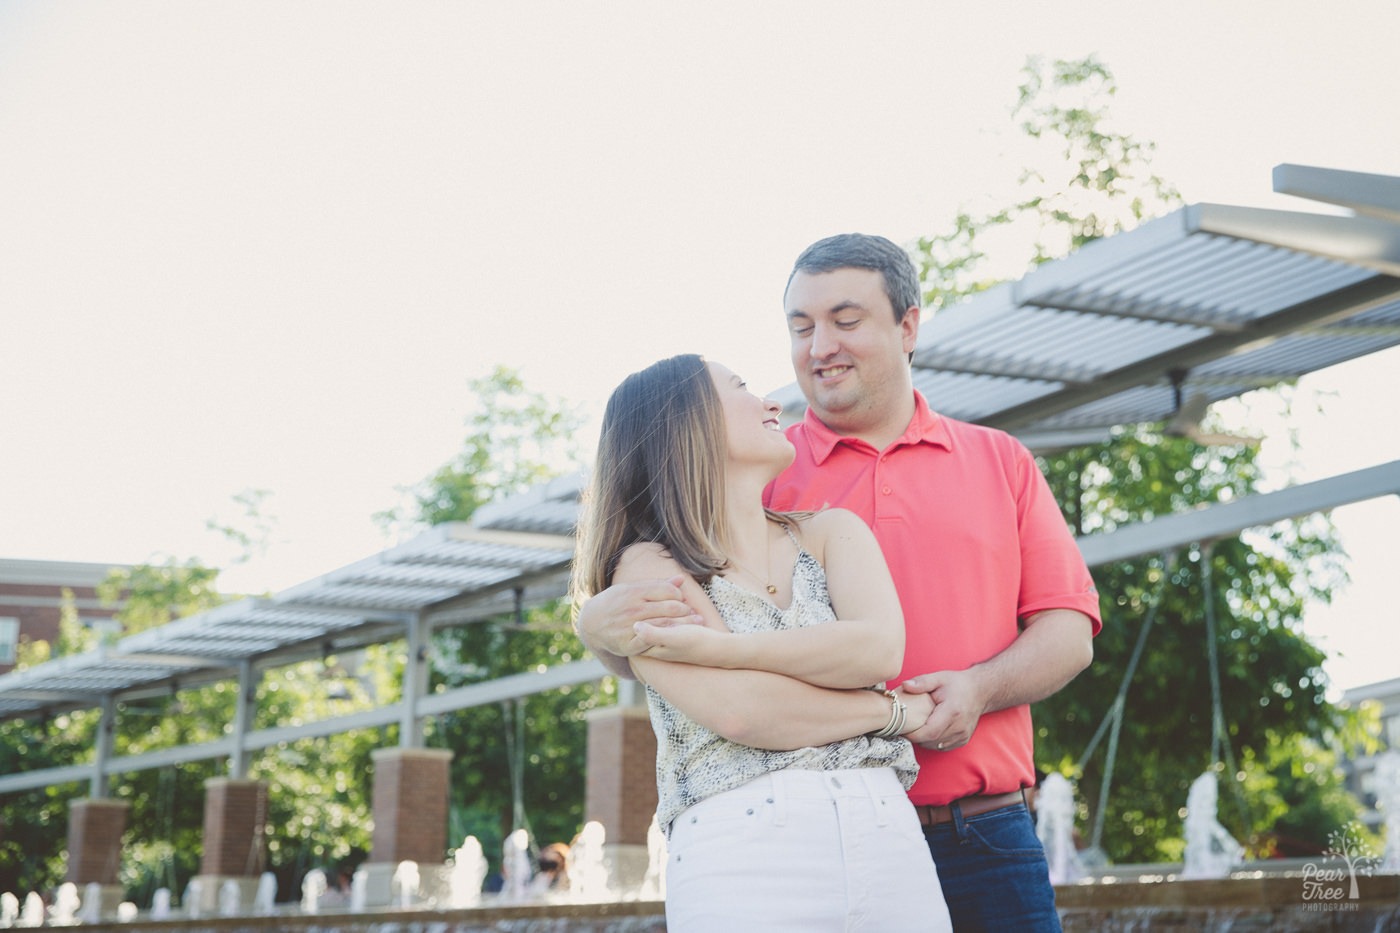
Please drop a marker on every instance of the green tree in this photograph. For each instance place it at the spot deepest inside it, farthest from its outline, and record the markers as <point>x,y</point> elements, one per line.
<point>159,593</point>
<point>1271,687</point>
<point>166,819</point>
<point>166,805</point>
<point>251,532</point>
<point>520,763</point>
<point>34,823</point>
<point>1090,181</point>
<point>517,764</point>
<point>517,438</point>
<point>1097,181</point>
<point>320,789</point>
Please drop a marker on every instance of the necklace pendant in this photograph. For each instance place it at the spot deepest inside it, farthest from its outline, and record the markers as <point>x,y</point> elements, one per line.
<point>772,590</point>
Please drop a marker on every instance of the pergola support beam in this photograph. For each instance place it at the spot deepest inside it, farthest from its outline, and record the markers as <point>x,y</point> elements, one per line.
<point>1173,531</point>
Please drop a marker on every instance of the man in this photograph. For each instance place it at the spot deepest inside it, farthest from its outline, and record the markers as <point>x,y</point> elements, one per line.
<point>999,607</point>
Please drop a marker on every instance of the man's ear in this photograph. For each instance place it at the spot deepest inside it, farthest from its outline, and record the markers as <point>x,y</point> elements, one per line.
<point>909,327</point>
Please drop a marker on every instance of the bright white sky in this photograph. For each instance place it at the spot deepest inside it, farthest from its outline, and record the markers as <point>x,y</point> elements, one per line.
<point>266,244</point>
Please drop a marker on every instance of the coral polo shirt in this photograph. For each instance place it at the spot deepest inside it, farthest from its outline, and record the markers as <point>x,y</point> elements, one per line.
<point>975,542</point>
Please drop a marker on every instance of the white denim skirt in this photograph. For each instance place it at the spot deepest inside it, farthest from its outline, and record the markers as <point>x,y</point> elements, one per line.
<point>803,851</point>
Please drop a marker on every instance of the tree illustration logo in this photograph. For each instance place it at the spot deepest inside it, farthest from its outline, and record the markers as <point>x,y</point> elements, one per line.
<point>1333,887</point>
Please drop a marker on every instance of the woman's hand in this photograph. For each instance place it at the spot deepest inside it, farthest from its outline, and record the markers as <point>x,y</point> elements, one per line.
<point>918,707</point>
<point>686,644</point>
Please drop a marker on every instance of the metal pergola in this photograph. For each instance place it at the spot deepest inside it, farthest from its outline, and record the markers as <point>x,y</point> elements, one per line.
<point>1204,304</point>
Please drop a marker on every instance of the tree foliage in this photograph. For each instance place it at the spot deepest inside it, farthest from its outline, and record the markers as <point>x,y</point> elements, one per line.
<point>1271,689</point>
<point>1089,181</point>
<point>34,823</point>
<point>517,438</point>
<point>158,593</point>
<point>320,789</point>
<point>517,764</point>
<point>1093,180</point>
<point>166,804</point>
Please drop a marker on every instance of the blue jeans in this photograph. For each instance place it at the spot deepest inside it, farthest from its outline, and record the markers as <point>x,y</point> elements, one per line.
<point>994,872</point>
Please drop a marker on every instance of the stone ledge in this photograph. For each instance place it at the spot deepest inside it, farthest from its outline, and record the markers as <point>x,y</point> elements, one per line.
<point>623,917</point>
<point>1267,891</point>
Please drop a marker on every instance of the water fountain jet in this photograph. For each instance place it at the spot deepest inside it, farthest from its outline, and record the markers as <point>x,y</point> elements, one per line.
<point>312,887</point>
<point>1054,826</point>
<point>515,867</point>
<point>406,883</point>
<point>467,874</point>
<point>590,870</point>
<point>1210,849</point>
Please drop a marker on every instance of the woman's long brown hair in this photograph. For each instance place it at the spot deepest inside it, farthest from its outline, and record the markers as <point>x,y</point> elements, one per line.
<point>659,475</point>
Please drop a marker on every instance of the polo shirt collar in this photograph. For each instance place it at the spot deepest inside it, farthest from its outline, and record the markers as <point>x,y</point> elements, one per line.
<point>926,427</point>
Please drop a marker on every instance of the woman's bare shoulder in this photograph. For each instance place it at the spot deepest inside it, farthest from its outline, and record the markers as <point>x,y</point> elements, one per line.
<point>828,523</point>
<point>645,560</point>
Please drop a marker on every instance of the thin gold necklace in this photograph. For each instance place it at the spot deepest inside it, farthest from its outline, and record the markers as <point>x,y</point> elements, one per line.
<point>767,578</point>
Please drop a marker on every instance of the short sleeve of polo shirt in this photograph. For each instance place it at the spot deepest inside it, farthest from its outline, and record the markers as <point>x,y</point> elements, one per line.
<point>1053,572</point>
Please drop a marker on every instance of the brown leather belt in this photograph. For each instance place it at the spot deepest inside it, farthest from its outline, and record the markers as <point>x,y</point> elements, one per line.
<point>969,806</point>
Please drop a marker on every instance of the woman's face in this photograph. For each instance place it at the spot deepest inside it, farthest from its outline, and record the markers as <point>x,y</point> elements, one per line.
<point>751,423</point>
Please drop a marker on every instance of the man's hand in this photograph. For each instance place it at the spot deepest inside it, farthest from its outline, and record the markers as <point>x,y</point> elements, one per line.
<point>958,703</point>
<point>917,708</point>
<point>608,622</point>
<point>1054,645</point>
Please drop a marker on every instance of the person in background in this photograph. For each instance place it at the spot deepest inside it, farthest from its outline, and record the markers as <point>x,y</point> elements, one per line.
<point>553,869</point>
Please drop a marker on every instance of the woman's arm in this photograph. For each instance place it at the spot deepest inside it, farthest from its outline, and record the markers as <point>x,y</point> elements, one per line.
<point>770,711</point>
<point>864,645</point>
<point>761,709</point>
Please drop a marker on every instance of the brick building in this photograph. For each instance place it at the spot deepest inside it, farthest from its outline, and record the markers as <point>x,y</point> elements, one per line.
<point>32,595</point>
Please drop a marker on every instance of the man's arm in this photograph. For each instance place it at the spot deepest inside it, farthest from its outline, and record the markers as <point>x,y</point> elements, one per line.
<point>607,623</point>
<point>1053,647</point>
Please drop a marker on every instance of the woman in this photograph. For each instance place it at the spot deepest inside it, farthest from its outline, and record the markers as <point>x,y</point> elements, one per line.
<point>780,774</point>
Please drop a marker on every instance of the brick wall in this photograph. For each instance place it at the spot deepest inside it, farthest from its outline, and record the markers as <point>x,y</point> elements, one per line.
<point>32,592</point>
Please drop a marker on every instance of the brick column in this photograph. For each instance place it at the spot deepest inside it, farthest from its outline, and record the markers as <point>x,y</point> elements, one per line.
<point>410,805</point>
<point>235,813</point>
<point>410,824</point>
<point>235,845</point>
<point>95,828</point>
<point>621,789</point>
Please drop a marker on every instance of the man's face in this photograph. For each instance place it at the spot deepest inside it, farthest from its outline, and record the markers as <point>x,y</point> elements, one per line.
<point>849,355</point>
